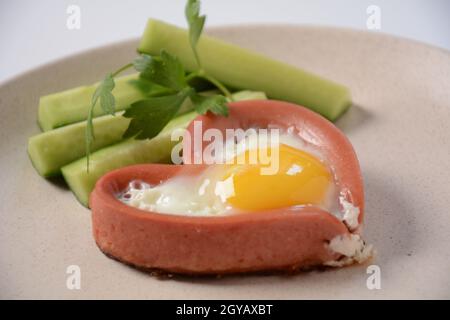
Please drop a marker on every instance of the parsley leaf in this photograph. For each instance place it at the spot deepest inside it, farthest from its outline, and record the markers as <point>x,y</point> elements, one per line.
<point>107,102</point>
<point>142,85</point>
<point>150,116</point>
<point>196,23</point>
<point>217,104</point>
<point>104,93</point>
<point>89,136</point>
<point>149,88</point>
<point>165,70</point>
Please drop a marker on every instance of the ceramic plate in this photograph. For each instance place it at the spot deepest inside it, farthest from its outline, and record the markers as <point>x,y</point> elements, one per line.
<point>399,127</point>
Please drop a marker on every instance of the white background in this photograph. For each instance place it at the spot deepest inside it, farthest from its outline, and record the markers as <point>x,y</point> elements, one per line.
<point>34,32</point>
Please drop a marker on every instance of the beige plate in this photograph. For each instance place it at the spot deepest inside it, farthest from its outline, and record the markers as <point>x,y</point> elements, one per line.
<point>399,127</point>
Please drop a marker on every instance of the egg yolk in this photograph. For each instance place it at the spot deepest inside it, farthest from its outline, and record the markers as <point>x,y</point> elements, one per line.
<point>301,179</point>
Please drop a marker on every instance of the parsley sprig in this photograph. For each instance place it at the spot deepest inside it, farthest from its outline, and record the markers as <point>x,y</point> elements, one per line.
<point>196,23</point>
<point>166,85</point>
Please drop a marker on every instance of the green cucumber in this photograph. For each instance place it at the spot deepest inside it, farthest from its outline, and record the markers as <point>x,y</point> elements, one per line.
<point>70,106</point>
<point>51,150</point>
<point>127,152</point>
<point>248,95</point>
<point>242,68</point>
<point>238,95</point>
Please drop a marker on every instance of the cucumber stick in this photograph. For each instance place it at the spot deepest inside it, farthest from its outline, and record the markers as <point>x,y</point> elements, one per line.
<point>248,95</point>
<point>242,68</point>
<point>51,150</point>
<point>70,106</point>
<point>127,152</point>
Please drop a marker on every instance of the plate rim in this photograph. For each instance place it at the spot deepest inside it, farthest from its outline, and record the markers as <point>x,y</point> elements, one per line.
<point>217,28</point>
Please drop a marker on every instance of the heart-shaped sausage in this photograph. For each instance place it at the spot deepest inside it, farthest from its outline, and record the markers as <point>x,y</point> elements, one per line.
<point>277,239</point>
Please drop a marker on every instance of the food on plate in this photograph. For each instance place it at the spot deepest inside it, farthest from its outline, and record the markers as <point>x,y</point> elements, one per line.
<point>51,150</point>
<point>194,219</point>
<point>172,80</point>
<point>283,193</point>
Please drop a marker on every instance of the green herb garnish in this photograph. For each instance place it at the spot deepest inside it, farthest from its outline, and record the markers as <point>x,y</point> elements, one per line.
<point>216,104</point>
<point>150,116</point>
<point>196,23</point>
<point>107,103</point>
<point>166,84</point>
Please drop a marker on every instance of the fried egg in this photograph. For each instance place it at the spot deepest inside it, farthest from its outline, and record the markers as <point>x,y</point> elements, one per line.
<point>302,178</point>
